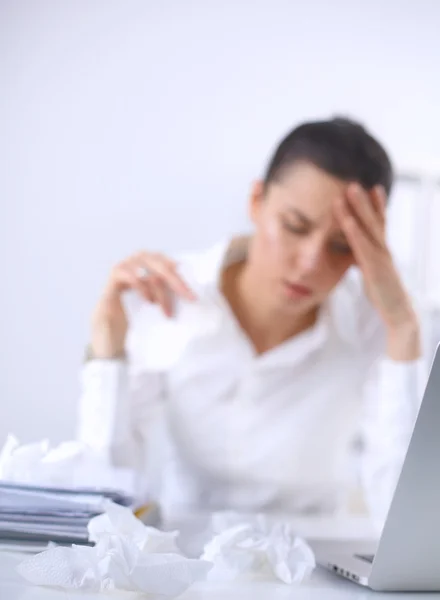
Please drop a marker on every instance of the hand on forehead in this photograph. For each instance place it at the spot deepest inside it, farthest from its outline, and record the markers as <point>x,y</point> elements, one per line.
<point>316,196</point>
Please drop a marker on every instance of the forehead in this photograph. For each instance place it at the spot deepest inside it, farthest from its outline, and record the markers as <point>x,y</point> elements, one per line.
<point>310,190</point>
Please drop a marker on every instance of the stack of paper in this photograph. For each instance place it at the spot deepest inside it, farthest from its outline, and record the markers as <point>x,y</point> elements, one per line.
<point>36,515</point>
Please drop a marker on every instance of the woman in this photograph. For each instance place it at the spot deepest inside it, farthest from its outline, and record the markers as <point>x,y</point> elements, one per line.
<point>269,355</point>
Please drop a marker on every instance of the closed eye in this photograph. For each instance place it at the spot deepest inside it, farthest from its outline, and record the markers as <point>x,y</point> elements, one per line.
<point>340,248</point>
<point>296,229</point>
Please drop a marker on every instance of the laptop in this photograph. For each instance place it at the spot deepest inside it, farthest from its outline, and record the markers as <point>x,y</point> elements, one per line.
<point>407,555</point>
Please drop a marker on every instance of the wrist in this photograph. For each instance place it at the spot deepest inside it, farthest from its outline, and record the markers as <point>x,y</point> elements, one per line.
<point>404,340</point>
<point>97,353</point>
<point>108,331</point>
<point>106,343</point>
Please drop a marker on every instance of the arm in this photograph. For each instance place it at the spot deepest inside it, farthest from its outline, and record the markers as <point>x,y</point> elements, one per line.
<point>116,409</point>
<point>390,376</point>
<point>120,396</point>
<point>393,352</point>
<point>391,404</point>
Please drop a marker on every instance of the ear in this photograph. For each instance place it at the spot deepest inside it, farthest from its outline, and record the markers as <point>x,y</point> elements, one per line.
<point>256,200</point>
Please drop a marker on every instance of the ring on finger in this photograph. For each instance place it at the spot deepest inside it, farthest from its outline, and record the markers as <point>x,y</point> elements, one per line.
<point>142,272</point>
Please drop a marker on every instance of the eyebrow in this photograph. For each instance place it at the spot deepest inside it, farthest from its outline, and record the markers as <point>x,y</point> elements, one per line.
<point>302,217</point>
<point>340,235</point>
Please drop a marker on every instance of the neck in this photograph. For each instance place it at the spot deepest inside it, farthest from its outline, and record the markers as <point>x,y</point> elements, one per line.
<point>266,324</point>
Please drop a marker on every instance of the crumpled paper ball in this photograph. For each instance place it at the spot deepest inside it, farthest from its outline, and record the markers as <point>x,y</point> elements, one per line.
<point>119,523</point>
<point>257,548</point>
<point>126,556</point>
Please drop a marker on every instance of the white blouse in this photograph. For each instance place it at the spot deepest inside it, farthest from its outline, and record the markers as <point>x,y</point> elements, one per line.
<point>209,424</point>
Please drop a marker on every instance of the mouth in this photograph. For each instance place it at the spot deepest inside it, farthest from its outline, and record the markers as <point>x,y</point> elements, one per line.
<point>295,290</point>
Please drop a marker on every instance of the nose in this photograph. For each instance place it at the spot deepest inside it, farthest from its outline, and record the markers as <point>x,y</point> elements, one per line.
<point>311,256</point>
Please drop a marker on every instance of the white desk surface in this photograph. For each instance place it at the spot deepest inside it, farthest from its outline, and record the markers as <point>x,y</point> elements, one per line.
<point>322,584</point>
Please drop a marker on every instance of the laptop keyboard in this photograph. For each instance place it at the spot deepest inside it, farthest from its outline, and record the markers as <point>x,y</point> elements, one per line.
<point>366,557</point>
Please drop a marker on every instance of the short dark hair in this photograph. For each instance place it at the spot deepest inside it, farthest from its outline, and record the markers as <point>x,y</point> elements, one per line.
<point>339,146</point>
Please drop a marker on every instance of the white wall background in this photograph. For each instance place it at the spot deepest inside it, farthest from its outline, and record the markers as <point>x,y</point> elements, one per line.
<point>137,124</point>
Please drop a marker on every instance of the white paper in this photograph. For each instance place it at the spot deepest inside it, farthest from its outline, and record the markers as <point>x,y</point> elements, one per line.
<point>127,556</point>
<point>158,341</point>
<point>71,464</point>
<point>257,548</point>
<point>50,500</point>
<point>120,522</point>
